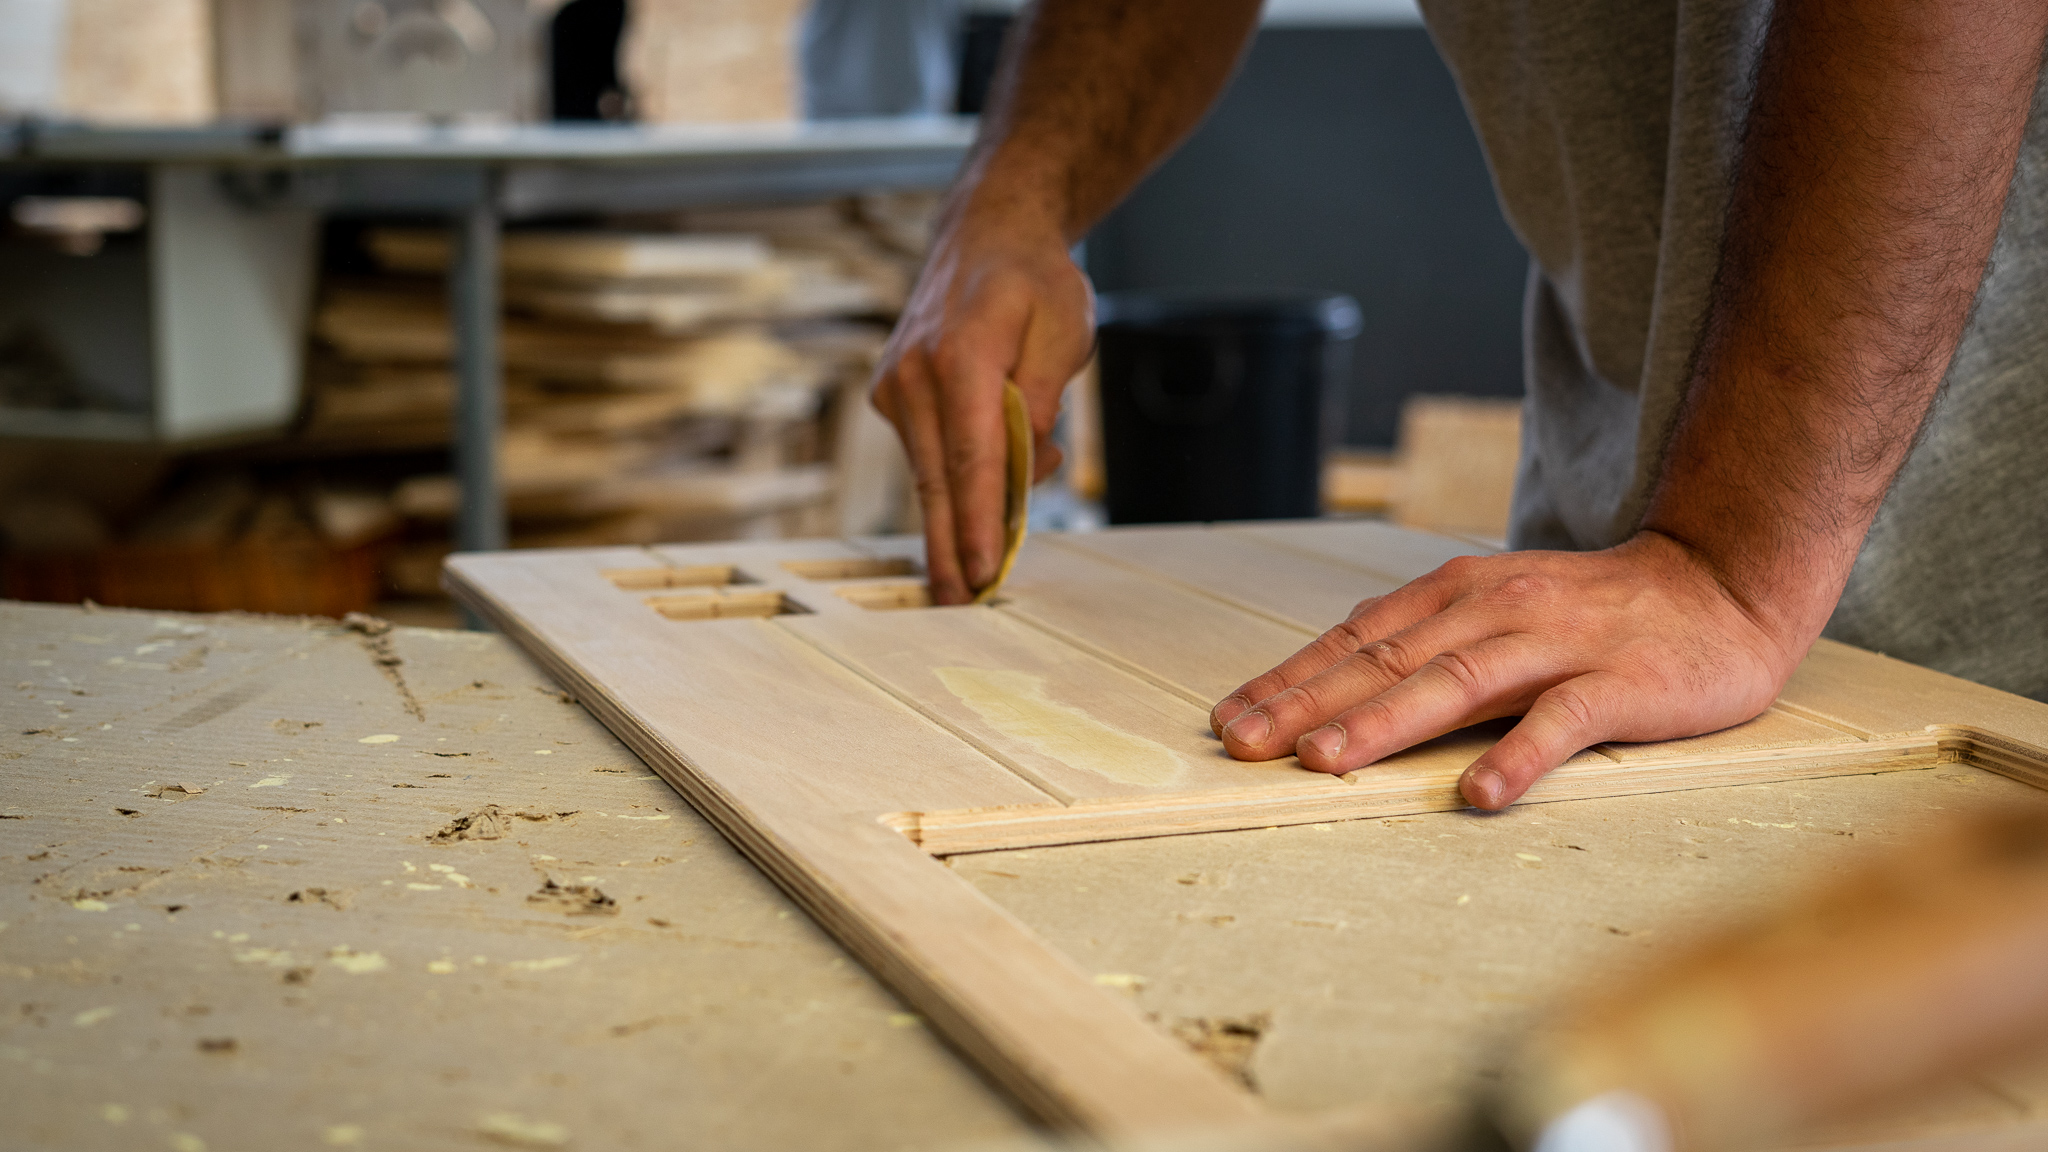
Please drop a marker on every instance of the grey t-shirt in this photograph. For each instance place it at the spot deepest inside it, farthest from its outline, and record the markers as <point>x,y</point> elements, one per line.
<point>1612,129</point>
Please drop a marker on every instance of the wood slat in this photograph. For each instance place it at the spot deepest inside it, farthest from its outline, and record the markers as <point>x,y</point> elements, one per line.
<point>1188,643</point>
<point>1288,586</point>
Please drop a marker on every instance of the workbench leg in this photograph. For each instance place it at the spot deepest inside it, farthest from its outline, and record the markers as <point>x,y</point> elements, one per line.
<point>479,388</point>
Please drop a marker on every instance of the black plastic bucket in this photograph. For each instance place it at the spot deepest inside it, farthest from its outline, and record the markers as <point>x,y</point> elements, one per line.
<point>1219,407</point>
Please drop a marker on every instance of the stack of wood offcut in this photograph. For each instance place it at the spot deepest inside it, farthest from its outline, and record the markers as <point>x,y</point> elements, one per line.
<point>212,542</point>
<point>690,378</point>
<point>1452,471</point>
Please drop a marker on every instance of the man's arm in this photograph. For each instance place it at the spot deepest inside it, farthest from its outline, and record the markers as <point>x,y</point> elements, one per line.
<point>1881,143</point>
<point>1090,95</point>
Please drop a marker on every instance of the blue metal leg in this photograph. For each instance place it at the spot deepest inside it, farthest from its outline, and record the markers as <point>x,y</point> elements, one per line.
<point>479,378</point>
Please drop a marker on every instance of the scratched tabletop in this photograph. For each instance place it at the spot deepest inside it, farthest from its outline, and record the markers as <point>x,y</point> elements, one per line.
<point>271,883</point>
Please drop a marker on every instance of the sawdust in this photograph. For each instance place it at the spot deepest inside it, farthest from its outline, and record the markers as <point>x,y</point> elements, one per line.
<point>174,792</point>
<point>518,1131</point>
<point>1227,1042</point>
<point>333,898</point>
<point>574,899</point>
<point>489,822</point>
<point>356,963</point>
<point>376,640</point>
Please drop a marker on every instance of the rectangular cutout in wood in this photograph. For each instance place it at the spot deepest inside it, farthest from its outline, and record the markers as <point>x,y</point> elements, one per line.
<point>718,604</point>
<point>695,576</point>
<point>887,597</point>
<point>858,568</point>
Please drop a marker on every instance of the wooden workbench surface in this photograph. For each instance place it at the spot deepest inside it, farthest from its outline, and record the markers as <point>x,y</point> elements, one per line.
<point>289,960</point>
<point>420,899</point>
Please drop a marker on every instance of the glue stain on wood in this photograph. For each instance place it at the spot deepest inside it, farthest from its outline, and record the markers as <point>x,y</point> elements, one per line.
<point>1016,704</point>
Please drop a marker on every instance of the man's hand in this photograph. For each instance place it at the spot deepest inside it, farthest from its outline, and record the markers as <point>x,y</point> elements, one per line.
<point>1087,98</point>
<point>999,298</point>
<point>1879,148</point>
<point>1640,642</point>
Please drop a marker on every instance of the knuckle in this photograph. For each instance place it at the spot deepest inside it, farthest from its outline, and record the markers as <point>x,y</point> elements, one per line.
<point>965,457</point>
<point>1383,657</point>
<point>1572,704</point>
<point>1292,702</point>
<point>1308,702</point>
<point>1460,568</point>
<point>1524,588</point>
<point>1338,642</point>
<point>953,357</point>
<point>1367,714</point>
<point>1462,671</point>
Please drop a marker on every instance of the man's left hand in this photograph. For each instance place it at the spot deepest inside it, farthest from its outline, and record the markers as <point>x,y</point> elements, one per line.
<point>1639,642</point>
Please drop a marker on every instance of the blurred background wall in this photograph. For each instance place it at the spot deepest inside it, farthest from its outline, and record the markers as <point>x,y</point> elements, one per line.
<point>722,397</point>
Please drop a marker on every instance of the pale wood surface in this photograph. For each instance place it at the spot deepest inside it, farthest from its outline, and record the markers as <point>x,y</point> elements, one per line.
<point>1388,962</point>
<point>1183,641</point>
<point>1289,587</point>
<point>834,740</point>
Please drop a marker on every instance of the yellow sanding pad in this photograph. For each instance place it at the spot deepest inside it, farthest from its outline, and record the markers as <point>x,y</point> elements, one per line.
<point>1017,493</point>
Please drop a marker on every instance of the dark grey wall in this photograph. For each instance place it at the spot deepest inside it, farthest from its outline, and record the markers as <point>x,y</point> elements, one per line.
<point>1341,160</point>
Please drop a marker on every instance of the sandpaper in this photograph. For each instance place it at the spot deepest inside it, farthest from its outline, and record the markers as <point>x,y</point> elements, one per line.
<point>1017,486</point>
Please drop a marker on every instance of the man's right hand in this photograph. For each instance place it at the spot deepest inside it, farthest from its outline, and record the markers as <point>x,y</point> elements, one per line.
<point>1000,298</point>
<point>1087,98</point>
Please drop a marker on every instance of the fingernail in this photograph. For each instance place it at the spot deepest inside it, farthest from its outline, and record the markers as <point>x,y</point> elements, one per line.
<point>1230,709</point>
<point>1327,741</point>
<point>1250,729</point>
<point>1484,787</point>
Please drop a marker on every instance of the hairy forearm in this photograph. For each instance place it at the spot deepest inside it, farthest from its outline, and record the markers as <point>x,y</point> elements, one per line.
<point>1091,94</point>
<point>1874,170</point>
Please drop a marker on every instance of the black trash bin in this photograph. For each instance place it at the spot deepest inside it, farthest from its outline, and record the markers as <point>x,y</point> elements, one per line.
<point>1219,407</point>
